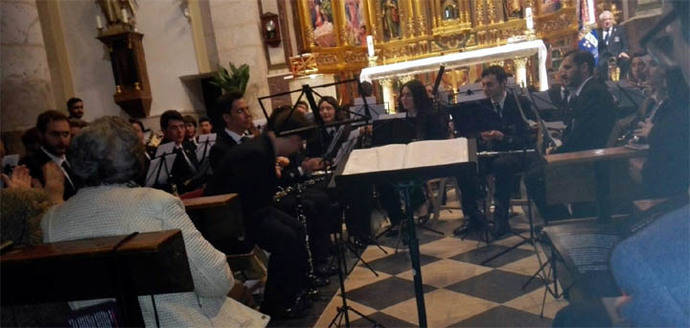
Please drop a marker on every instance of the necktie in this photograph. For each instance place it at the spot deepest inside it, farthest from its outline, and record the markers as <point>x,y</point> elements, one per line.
<point>245,139</point>
<point>498,109</point>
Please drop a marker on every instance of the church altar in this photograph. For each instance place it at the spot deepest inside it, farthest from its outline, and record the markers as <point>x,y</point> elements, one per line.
<point>509,51</point>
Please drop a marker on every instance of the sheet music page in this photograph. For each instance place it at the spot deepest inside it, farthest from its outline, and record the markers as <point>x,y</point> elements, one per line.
<point>361,161</point>
<point>390,157</point>
<point>165,148</point>
<point>384,158</point>
<point>436,152</point>
<point>159,171</point>
<point>206,141</point>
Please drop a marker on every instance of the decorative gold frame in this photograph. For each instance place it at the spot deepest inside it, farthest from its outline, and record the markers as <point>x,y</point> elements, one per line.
<point>424,33</point>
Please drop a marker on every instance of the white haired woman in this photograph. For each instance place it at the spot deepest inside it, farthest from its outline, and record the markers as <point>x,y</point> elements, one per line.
<point>108,155</point>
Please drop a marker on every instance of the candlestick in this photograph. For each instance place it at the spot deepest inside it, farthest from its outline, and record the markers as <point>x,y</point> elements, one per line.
<point>124,15</point>
<point>99,22</point>
<point>370,46</point>
<point>529,18</point>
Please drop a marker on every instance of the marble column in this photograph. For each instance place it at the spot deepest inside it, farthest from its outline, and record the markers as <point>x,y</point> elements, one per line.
<point>520,71</point>
<point>26,83</point>
<point>388,98</point>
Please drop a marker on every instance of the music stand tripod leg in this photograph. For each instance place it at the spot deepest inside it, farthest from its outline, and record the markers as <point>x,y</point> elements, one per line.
<point>342,266</point>
<point>414,253</point>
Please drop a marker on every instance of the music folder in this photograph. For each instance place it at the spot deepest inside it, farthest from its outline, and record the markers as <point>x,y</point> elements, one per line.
<point>393,129</point>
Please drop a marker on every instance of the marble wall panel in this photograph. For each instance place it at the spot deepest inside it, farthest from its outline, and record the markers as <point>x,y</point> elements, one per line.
<point>25,77</point>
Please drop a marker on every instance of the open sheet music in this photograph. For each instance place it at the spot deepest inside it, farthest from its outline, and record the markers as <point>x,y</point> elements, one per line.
<point>412,155</point>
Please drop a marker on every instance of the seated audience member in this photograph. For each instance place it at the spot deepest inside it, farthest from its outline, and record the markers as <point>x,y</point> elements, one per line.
<point>250,170</point>
<point>108,155</point>
<point>238,121</point>
<point>75,126</point>
<point>205,126</point>
<point>23,205</point>
<point>184,175</point>
<point>189,128</point>
<point>590,118</point>
<point>75,108</point>
<point>53,127</point>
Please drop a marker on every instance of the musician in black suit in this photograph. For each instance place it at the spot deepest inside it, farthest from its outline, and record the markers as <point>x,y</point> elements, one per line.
<point>590,119</point>
<point>54,129</point>
<point>184,175</point>
<point>238,120</point>
<point>250,170</point>
<point>591,111</point>
<point>505,129</point>
<point>613,43</point>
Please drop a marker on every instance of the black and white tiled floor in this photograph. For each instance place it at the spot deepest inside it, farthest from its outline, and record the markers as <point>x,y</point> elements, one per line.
<point>458,290</point>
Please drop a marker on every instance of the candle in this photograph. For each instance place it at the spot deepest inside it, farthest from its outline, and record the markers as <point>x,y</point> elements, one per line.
<point>99,22</point>
<point>529,18</point>
<point>370,45</point>
<point>124,15</point>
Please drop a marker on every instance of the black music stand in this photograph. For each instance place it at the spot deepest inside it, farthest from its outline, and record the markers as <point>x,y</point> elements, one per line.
<point>401,180</point>
<point>161,168</point>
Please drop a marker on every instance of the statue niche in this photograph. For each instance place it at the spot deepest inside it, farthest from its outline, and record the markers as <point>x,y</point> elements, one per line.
<point>450,10</point>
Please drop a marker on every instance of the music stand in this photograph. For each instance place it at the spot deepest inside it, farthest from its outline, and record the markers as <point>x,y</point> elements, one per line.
<point>400,178</point>
<point>162,162</point>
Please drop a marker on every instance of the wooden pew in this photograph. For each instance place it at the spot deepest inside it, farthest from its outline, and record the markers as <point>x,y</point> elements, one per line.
<point>120,267</point>
<point>219,219</point>
<point>597,175</point>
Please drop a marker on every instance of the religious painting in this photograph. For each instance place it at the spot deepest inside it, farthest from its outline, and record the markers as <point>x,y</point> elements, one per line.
<point>549,6</point>
<point>512,9</point>
<point>391,19</point>
<point>355,26</point>
<point>321,14</point>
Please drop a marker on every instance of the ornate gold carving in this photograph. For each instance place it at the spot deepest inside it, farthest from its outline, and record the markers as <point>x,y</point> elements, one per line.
<point>467,28</point>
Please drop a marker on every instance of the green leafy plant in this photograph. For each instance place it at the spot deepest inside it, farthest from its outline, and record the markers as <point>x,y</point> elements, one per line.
<point>234,80</point>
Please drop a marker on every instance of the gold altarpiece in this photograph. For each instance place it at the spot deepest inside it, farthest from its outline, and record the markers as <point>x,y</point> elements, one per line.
<point>332,31</point>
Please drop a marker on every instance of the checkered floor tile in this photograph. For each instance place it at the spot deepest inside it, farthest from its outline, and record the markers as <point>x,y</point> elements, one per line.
<point>458,290</point>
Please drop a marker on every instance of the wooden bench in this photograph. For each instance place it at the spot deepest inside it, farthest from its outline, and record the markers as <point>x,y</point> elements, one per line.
<point>120,267</point>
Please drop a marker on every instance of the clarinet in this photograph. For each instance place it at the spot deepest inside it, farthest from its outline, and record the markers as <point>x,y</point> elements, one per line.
<point>302,218</point>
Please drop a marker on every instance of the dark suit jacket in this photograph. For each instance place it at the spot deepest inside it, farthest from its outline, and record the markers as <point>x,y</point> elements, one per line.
<point>618,42</point>
<point>35,163</point>
<point>223,145</point>
<point>515,129</point>
<point>590,120</point>
<point>667,170</point>
<point>248,169</point>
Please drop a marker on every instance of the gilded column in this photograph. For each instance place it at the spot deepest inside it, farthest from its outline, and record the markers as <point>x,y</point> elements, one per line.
<point>388,98</point>
<point>520,71</point>
<point>419,18</point>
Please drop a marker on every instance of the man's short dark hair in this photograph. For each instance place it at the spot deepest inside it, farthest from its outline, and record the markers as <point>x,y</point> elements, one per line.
<point>137,122</point>
<point>582,57</point>
<point>49,116</point>
<point>170,115</point>
<point>189,119</point>
<point>496,71</point>
<point>224,102</point>
<point>204,119</point>
<point>72,101</point>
